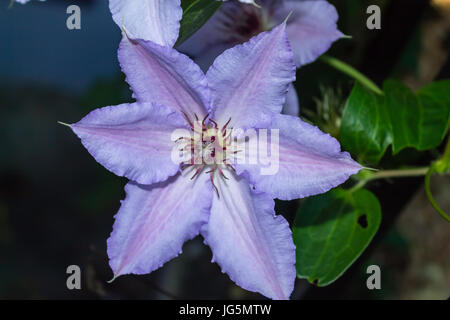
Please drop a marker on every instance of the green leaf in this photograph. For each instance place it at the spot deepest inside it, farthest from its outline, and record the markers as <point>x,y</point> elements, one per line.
<point>437,94</point>
<point>331,231</point>
<point>195,15</point>
<point>401,118</point>
<point>365,125</point>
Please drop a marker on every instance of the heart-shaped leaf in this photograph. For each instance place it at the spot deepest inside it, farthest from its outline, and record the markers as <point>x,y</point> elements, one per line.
<point>331,231</point>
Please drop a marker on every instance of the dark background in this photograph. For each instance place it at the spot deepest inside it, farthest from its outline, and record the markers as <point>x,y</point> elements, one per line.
<point>57,204</point>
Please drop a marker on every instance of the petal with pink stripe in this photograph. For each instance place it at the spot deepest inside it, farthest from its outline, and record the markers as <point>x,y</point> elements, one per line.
<point>132,140</point>
<point>163,75</point>
<point>154,222</point>
<point>309,162</point>
<point>252,245</point>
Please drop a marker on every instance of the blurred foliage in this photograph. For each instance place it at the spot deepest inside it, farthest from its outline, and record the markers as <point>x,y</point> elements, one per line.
<point>328,112</point>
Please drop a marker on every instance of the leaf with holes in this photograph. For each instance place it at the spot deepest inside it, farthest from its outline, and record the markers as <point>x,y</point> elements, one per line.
<point>195,15</point>
<point>331,231</point>
<point>400,117</point>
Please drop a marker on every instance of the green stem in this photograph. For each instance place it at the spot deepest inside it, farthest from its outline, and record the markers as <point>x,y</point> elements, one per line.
<point>441,166</point>
<point>352,72</point>
<point>402,173</point>
<point>446,157</point>
<point>386,174</point>
<point>430,195</point>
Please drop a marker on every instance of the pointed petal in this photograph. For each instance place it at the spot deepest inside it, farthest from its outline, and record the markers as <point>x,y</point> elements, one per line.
<point>132,140</point>
<point>161,74</point>
<point>154,222</point>
<point>291,107</point>
<point>310,162</point>
<point>311,29</point>
<point>154,20</point>
<point>250,81</point>
<point>252,245</point>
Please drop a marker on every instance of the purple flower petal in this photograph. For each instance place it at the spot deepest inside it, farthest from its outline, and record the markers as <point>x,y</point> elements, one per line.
<point>154,221</point>
<point>252,245</point>
<point>132,140</point>
<point>311,29</point>
<point>250,81</point>
<point>310,162</point>
<point>154,20</point>
<point>291,107</point>
<point>161,74</point>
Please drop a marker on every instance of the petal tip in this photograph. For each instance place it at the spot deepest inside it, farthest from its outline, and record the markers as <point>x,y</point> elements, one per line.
<point>64,124</point>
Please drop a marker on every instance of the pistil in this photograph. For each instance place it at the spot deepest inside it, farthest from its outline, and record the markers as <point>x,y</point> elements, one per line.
<point>208,148</point>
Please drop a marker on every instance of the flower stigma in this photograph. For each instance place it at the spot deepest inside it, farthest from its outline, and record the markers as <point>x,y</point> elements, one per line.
<point>209,147</point>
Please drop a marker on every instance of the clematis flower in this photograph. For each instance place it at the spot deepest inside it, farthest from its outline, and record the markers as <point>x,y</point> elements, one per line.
<point>311,30</point>
<point>154,20</point>
<point>230,205</point>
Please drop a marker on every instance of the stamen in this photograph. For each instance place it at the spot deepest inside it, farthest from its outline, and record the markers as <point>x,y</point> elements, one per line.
<point>224,128</point>
<point>204,119</point>
<point>184,138</point>
<point>231,167</point>
<point>211,177</point>
<point>188,120</point>
<point>215,123</point>
<point>200,169</point>
<point>184,166</point>
<point>222,174</point>
<point>205,147</point>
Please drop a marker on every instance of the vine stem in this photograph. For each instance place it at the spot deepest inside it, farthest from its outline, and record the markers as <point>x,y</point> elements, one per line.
<point>430,195</point>
<point>415,172</point>
<point>446,156</point>
<point>386,174</point>
<point>401,173</point>
<point>441,166</point>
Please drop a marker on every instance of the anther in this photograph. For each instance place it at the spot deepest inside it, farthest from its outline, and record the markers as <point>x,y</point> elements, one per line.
<point>224,128</point>
<point>188,120</point>
<point>211,177</point>
<point>197,172</point>
<point>204,119</point>
<point>215,123</point>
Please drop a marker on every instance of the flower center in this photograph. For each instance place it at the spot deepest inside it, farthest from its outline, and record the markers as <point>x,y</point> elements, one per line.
<point>207,148</point>
<point>241,22</point>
